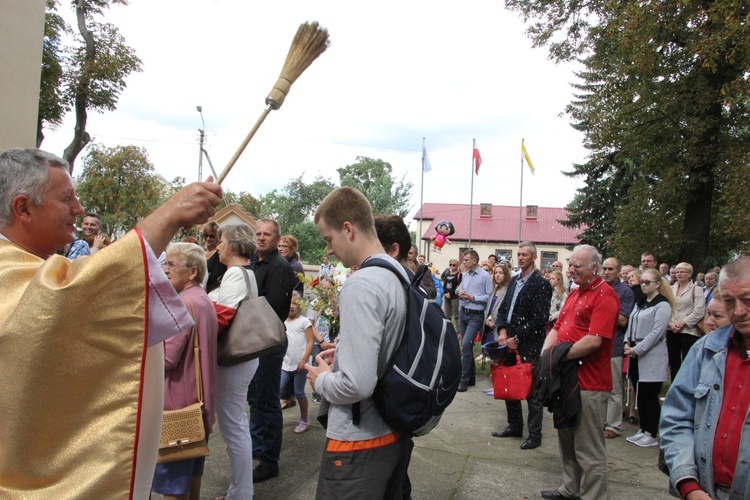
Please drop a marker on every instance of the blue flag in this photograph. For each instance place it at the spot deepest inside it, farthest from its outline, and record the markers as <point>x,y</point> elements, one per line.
<point>425,161</point>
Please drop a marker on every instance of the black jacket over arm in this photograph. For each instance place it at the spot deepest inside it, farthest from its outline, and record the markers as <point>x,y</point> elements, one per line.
<point>530,313</point>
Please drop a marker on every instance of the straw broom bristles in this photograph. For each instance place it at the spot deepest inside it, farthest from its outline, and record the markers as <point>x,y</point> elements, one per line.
<point>310,41</point>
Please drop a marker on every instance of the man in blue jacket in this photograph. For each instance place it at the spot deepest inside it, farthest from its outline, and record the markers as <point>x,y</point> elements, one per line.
<point>704,421</point>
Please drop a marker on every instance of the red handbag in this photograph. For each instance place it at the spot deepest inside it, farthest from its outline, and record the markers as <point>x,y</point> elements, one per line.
<point>512,383</point>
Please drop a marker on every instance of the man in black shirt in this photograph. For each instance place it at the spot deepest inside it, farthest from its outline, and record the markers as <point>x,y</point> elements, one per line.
<point>275,282</point>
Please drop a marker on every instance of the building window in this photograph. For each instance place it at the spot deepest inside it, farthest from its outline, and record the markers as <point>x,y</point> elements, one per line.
<point>503,254</point>
<point>547,259</point>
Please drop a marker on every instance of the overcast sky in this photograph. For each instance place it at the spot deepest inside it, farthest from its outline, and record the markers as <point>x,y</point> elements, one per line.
<point>395,72</point>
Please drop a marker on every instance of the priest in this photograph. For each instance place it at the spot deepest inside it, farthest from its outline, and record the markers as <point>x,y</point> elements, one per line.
<point>81,343</point>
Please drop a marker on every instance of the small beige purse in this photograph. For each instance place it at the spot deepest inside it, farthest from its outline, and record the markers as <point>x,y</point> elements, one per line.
<point>183,435</point>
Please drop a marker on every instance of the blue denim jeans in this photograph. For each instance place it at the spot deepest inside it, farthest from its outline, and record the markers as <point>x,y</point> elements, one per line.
<point>293,383</point>
<point>469,325</point>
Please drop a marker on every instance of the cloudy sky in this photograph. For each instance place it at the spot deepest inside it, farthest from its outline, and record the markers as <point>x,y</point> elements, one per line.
<point>395,72</point>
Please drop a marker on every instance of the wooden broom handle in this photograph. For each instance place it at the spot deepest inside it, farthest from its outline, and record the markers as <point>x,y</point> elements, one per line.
<point>244,144</point>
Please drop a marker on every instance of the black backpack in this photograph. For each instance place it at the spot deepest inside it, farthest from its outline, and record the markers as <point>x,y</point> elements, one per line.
<point>422,376</point>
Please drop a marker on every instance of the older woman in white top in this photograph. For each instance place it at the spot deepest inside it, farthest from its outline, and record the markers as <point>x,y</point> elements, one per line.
<point>689,311</point>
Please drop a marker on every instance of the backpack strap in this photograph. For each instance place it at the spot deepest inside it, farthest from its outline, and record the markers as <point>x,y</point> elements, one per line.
<point>356,407</point>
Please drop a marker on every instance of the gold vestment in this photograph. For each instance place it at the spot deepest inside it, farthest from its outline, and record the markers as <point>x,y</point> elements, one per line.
<point>73,342</point>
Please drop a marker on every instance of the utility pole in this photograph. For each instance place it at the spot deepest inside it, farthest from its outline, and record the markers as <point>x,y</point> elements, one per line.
<point>200,152</point>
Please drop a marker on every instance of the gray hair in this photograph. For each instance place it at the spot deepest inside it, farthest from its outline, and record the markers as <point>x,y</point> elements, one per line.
<point>192,255</point>
<point>529,245</point>
<point>24,172</point>
<point>737,270</point>
<point>594,256</point>
<point>239,238</point>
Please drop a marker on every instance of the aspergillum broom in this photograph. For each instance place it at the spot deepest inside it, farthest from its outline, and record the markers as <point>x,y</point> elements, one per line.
<point>310,41</point>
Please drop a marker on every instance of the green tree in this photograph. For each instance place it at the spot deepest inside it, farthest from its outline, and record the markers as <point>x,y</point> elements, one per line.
<point>293,208</point>
<point>89,75</point>
<point>249,202</point>
<point>375,179</point>
<point>119,184</point>
<point>51,104</point>
<point>664,84</point>
<point>596,204</point>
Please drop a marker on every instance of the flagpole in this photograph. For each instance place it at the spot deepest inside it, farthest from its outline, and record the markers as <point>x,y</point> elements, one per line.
<point>471,202</point>
<point>520,201</point>
<point>421,199</point>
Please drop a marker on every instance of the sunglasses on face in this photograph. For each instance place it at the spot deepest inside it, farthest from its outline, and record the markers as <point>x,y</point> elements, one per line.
<point>647,282</point>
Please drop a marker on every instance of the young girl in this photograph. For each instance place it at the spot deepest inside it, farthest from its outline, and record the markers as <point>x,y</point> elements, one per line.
<point>299,334</point>
<point>559,294</point>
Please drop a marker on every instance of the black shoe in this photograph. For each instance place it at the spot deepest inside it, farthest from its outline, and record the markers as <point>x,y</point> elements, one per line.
<point>261,474</point>
<point>472,382</point>
<point>555,495</point>
<point>508,432</point>
<point>462,387</point>
<point>531,443</point>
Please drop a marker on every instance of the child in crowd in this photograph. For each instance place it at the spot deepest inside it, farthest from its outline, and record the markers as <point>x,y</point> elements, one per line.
<point>299,334</point>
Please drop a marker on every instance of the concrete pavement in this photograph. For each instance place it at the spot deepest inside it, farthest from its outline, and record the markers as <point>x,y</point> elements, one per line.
<point>457,460</point>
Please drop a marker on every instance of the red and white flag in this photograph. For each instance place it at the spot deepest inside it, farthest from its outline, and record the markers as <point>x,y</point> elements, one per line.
<point>477,158</point>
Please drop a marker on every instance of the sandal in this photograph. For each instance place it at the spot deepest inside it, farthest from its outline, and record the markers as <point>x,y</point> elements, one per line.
<point>302,426</point>
<point>633,420</point>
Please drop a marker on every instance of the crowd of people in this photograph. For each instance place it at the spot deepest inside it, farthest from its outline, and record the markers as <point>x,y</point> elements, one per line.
<point>632,328</point>
<point>608,332</point>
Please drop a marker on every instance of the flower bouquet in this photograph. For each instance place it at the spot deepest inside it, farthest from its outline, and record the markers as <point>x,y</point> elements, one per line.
<point>325,303</point>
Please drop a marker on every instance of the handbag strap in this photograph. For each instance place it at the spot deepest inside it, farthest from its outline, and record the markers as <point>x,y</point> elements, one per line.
<point>252,285</point>
<point>197,350</point>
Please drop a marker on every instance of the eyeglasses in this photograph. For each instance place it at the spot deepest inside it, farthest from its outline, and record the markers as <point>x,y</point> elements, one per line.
<point>169,265</point>
<point>647,282</point>
<point>209,235</point>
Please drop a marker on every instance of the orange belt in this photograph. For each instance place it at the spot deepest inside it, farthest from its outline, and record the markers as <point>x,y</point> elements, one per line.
<point>334,445</point>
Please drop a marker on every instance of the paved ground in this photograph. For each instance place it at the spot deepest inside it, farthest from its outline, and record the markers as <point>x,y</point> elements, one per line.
<point>458,460</point>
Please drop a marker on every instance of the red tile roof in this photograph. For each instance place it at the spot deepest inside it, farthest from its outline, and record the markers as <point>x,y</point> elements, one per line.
<point>502,226</point>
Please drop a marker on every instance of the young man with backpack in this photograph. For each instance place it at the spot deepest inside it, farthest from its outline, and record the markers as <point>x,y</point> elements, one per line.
<point>373,312</point>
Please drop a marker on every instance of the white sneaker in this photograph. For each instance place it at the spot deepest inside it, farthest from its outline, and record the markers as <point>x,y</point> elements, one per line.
<point>647,441</point>
<point>635,437</point>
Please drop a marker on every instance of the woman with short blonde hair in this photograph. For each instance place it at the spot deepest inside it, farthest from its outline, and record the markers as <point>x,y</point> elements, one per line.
<point>689,309</point>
